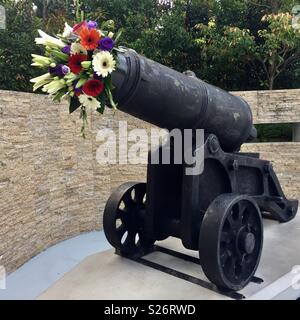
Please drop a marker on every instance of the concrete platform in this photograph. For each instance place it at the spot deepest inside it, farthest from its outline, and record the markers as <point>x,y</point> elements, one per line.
<point>107,276</point>
<point>42,271</point>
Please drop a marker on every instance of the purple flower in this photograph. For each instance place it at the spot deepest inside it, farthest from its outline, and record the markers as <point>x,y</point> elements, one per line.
<point>95,76</point>
<point>60,70</point>
<point>106,44</point>
<point>66,49</point>
<point>65,69</point>
<point>57,71</point>
<point>92,24</point>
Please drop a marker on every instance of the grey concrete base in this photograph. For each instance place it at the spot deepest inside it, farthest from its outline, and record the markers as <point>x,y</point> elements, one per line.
<point>38,274</point>
<point>108,276</point>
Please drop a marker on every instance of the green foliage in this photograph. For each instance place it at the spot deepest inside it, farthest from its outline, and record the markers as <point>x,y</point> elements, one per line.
<point>274,132</point>
<point>169,42</point>
<point>280,48</point>
<point>226,52</point>
<point>225,42</point>
<point>17,44</point>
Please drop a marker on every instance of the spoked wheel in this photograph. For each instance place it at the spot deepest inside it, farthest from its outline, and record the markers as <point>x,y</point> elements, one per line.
<point>123,219</point>
<point>231,240</point>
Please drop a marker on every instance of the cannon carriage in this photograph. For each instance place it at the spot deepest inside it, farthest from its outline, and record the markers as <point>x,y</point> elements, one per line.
<point>218,211</point>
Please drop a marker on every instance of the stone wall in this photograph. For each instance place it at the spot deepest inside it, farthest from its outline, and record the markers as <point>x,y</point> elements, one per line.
<point>279,106</point>
<point>286,160</point>
<point>51,186</point>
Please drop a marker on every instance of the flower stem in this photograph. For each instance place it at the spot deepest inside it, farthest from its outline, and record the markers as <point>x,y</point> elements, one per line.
<point>83,116</point>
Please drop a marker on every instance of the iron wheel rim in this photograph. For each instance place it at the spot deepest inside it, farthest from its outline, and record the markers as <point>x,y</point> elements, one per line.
<point>123,219</point>
<point>233,229</point>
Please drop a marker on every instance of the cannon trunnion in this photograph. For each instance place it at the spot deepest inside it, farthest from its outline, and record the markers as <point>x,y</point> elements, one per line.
<point>218,212</point>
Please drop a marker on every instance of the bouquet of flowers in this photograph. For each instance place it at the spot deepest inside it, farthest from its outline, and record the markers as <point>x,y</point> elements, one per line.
<point>79,63</point>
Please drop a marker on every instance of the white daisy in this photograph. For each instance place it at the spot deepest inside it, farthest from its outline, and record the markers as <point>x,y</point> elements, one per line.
<point>89,102</point>
<point>104,63</point>
<point>77,48</point>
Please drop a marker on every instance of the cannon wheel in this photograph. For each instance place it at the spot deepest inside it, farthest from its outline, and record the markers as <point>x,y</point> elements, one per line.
<point>231,240</point>
<point>123,219</point>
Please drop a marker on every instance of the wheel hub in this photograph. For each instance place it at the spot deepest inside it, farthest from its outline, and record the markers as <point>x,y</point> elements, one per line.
<point>247,242</point>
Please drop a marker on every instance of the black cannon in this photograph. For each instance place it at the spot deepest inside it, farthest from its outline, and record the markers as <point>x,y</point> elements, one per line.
<point>218,212</point>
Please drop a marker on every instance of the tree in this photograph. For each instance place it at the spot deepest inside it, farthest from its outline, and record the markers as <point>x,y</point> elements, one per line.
<point>226,54</point>
<point>54,13</point>
<point>167,40</point>
<point>225,42</point>
<point>273,6</point>
<point>45,8</point>
<point>281,46</point>
<point>17,44</point>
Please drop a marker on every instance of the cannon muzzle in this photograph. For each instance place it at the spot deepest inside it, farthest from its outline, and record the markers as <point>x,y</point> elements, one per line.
<point>169,99</point>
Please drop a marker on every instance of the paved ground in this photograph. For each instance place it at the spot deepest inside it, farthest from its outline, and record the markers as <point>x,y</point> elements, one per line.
<point>86,268</point>
<point>41,272</point>
<point>107,276</point>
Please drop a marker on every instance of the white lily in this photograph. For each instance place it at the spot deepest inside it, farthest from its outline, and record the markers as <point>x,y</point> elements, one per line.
<point>41,81</point>
<point>49,41</point>
<point>67,31</point>
<point>41,61</point>
<point>54,86</point>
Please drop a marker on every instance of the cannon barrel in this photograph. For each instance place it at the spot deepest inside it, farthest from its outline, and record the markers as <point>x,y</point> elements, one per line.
<point>170,99</point>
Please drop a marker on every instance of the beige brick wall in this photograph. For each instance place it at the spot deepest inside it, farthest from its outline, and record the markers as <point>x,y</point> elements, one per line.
<point>278,106</point>
<point>51,186</point>
<point>286,160</point>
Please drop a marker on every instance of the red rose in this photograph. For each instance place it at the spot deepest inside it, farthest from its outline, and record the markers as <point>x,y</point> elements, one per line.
<point>93,88</point>
<point>75,62</point>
